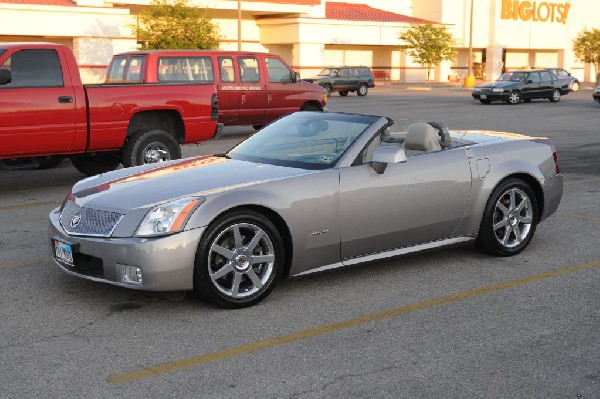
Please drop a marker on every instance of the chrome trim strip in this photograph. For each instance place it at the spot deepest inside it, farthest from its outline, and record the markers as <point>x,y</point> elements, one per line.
<point>321,269</point>
<point>389,254</point>
<point>406,250</point>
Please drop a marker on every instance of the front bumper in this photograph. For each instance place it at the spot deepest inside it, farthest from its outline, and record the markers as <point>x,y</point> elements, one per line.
<point>167,262</point>
<point>491,96</point>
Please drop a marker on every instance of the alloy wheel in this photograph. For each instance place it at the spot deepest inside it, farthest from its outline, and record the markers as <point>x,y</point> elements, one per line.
<point>513,218</point>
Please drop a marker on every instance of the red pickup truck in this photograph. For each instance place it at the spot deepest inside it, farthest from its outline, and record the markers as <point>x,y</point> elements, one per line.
<point>47,114</point>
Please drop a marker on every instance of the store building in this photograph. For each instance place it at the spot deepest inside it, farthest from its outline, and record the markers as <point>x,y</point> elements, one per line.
<point>311,34</point>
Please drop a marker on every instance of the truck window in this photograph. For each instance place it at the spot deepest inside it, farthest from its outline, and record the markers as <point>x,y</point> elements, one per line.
<point>34,68</point>
<point>186,69</point>
<point>117,69</point>
<point>278,71</point>
<point>226,69</point>
<point>249,71</point>
<point>134,70</point>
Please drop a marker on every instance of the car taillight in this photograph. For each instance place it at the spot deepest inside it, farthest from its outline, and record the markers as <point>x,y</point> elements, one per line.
<point>553,149</point>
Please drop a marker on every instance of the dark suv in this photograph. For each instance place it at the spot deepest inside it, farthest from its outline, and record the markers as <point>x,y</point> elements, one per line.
<point>345,79</point>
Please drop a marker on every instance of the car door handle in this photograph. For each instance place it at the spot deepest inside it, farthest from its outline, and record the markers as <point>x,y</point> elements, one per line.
<point>65,99</point>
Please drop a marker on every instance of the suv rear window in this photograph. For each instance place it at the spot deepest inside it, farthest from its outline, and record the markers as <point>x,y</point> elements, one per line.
<point>186,69</point>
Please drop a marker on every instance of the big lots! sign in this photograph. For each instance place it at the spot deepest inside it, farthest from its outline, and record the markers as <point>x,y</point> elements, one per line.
<point>535,11</point>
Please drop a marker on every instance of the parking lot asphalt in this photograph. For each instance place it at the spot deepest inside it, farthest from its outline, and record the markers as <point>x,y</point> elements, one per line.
<point>453,323</point>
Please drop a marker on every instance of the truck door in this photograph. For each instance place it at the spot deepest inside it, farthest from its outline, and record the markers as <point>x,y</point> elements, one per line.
<point>282,89</point>
<point>228,91</point>
<point>252,92</point>
<point>37,109</point>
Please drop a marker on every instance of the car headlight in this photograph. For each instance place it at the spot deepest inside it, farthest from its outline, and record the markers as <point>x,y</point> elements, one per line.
<point>168,218</point>
<point>498,90</point>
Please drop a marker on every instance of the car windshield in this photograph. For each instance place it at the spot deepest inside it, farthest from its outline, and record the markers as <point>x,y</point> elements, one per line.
<point>329,72</point>
<point>512,77</point>
<point>307,140</point>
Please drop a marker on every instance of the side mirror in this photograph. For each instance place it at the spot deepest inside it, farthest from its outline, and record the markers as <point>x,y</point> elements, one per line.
<point>296,77</point>
<point>529,81</point>
<point>385,154</point>
<point>5,76</point>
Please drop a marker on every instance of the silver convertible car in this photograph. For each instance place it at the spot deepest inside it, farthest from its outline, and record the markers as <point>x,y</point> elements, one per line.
<point>312,191</point>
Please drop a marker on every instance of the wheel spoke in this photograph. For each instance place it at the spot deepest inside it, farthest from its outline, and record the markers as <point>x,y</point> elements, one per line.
<point>254,278</point>
<point>512,199</point>
<point>255,240</point>
<point>228,268</point>
<point>527,219</point>
<point>224,252</point>
<point>506,236</point>
<point>235,288</point>
<point>517,232</point>
<point>254,260</point>
<point>524,204</point>
<point>237,237</point>
<point>500,224</point>
<point>502,208</point>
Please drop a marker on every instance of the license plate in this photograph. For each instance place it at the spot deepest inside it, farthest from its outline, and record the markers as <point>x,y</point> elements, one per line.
<point>483,96</point>
<point>63,252</point>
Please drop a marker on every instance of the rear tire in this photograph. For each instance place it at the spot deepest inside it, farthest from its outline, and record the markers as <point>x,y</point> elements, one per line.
<point>95,164</point>
<point>509,220</point>
<point>151,146</point>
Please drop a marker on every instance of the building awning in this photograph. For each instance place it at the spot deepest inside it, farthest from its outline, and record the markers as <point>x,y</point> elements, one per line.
<point>41,2</point>
<point>363,12</point>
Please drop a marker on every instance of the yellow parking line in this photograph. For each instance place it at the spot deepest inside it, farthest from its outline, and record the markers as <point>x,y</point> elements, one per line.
<point>578,216</point>
<point>329,328</point>
<point>22,263</point>
<point>24,206</point>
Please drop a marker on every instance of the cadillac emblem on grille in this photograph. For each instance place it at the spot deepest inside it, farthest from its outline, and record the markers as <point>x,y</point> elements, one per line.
<point>79,221</point>
<point>76,220</point>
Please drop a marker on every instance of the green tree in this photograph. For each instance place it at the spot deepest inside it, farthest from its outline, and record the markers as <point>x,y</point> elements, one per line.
<point>428,45</point>
<point>174,24</point>
<point>587,48</point>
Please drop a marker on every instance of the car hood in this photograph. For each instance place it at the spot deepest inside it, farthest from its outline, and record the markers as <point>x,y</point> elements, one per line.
<point>497,84</point>
<point>146,186</point>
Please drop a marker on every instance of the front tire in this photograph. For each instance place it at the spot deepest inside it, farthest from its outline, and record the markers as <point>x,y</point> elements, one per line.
<point>343,93</point>
<point>509,220</point>
<point>485,101</point>
<point>151,146</point>
<point>555,96</point>
<point>362,90</point>
<point>514,98</point>
<point>327,90</point>
<point>239,260</point>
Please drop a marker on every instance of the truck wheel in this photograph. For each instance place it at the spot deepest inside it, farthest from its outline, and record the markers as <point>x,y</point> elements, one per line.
<point>151,146</point>
<point>94,164</point>
<point>49,163</point>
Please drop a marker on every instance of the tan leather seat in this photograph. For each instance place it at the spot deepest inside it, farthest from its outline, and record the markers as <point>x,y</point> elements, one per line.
<point>421,138</point>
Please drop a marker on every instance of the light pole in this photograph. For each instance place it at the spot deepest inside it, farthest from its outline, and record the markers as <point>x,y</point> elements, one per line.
<point>470,79</point>
<point>239,24</point>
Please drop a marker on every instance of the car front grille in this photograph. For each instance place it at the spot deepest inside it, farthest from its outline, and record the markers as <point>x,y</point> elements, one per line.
<point>80,221</point>
<point>486,90</point>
